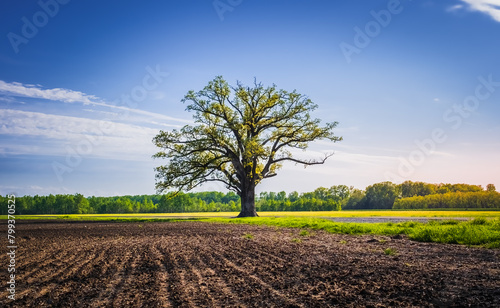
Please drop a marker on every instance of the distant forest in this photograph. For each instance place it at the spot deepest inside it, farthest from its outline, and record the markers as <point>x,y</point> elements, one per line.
<point>385,195</point>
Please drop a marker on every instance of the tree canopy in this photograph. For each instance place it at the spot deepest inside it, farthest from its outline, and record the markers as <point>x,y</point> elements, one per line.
<point>242,135</point>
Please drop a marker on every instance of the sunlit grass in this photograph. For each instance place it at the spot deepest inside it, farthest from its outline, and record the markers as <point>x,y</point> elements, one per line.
<point>479,231</point>
<point>385,213</point>
<point>482,230</point>
<point>340,214</point>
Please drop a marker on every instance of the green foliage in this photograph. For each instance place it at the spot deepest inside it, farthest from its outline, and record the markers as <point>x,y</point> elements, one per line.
<point>242,135</point>
<point>474,232</point>
<point>390,251</point>
<point>304,233</point>
<point>479,221</point>
<point>211,201</point>
<point>492,245</point>
<point>462,200</point>
<point>322,199</point>
<point>411,189</point>
<point>380,196</point>
<point>449,222</point>
<point>376,196</point>
<point>78,204</point>
<point>420,195</point>
<point>355,200</point>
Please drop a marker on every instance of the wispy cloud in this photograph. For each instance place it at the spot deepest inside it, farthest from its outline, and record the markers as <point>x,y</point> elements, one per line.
<point>54,133</point>
<point>70,96</point>
<point>56,94</point>
<point>454,8</point>
<point>489,7</point>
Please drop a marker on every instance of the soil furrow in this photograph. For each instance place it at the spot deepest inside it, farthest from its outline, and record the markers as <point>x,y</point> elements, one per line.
<point>195,264</point>
<point>130,294</point>
<point>118,264</point>
<point>268,271</point>
<point>197,285</point>
<point>286,301</point>
<point>34,283</point>
<point>178,287</point>
<point>51,283</point>
<point>215,284</point>
<point>61,256</point>
<point>71,283</point>
<point>161,292</point>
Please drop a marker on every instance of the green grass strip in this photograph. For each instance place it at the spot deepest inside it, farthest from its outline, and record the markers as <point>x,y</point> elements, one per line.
<point>479,231</point>
<point>476,232</point>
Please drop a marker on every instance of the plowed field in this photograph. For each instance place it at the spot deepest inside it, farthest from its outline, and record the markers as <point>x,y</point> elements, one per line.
<point>193,264</point>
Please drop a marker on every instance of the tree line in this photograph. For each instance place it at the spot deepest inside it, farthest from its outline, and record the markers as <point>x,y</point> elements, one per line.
<point>385,195</point>
<point>167,203</point>
<point>458,200</point>
<point>321,199</point>
<point>420,195</point>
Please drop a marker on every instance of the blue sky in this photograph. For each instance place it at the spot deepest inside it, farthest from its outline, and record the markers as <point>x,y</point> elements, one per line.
<point>85,85</point>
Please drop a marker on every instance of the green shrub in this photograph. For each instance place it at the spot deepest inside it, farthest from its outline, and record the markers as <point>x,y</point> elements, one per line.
<point>450,222</point>
<point>479,221</point>
<point>409,224</point>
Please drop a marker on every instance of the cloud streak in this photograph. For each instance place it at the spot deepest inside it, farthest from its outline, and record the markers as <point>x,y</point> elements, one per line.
<point>489,7</point>
<point>52,133</point>
<point>70,96</point>
<point>56,94</point>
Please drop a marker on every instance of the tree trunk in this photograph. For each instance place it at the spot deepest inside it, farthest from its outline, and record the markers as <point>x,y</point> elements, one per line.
<point>248,202</point>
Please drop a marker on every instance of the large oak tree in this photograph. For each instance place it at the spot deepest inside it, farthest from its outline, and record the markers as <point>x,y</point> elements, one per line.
<point>241,136</point>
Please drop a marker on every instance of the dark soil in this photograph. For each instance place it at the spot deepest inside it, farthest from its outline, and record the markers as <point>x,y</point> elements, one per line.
<point>194,264</point>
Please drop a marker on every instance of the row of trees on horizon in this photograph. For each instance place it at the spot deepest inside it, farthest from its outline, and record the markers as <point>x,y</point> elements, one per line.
<point>385,195</point>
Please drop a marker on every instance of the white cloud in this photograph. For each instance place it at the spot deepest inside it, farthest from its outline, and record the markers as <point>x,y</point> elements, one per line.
<point>70,96</point>
<point>56,94</point>
<point>454,8</point>
<point>55,133</point>
<point>489,7</point>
